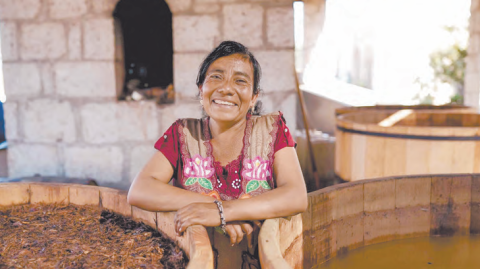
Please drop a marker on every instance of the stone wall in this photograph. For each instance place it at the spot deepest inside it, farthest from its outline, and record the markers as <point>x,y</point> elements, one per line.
<point>472,74</point>
<point>62,114</point>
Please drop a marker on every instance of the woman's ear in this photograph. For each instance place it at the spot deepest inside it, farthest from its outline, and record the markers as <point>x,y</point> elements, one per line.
<point>254,100</point>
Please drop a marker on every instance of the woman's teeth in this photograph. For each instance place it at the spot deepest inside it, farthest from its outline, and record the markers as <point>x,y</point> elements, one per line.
<point>223,103</point>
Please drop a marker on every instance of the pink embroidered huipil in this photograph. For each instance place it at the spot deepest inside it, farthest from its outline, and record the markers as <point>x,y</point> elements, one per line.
<point>186,144</point>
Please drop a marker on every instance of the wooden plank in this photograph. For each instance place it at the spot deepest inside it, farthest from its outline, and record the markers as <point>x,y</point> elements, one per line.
<point>339,151</point>
<point>448,220</point>
<point>463,156</point>
<point>380,226</point>
<point>147,217</point>
<point>291,240</point>
<point>14,194</point>
<point>413,221</point>
<point>395,159</point>
<point>269,249</point>
<point>201,255</point>
<point>49,193</point>
<point>412,192</point>
<point>379,195</point>
<point>475,189</point>
<point>374,157</point>
<point>476,164</point>
<point>357,156</point>
<point>346,157</point>
<point>417,154</point>
<point>349,233</point>
<point>115,200</point>
<point>441,152</point>
<point>308,246</point>
<point>349,201</point>
<point>475,218</point>
<point>84,195</point>
<point>451,190</point>
<point>451,198</point>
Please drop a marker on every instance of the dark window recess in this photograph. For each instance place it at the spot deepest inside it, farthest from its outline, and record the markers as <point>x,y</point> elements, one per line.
<point>146,28</point>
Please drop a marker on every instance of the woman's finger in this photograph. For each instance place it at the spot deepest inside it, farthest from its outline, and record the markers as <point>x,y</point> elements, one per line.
<point>248,230</point>
<point>239,231</point>
<point>232,233</point>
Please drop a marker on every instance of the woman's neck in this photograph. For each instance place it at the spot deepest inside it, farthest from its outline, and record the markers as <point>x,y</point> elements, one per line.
<point>221,130</point>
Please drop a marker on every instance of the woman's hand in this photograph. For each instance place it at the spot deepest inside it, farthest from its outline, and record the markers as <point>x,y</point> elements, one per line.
<point>236,230</point>
<point>205,214</point>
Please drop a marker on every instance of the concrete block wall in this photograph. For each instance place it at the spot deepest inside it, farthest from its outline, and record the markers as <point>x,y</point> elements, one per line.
<point>472,73</point>
<point>266,27</point>
<point>62,113</point>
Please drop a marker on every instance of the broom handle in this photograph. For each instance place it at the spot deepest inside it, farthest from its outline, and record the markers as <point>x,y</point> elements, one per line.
<point>305,123</point>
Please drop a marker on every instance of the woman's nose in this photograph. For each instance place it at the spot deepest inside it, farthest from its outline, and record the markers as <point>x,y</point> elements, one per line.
<point>226,88</point>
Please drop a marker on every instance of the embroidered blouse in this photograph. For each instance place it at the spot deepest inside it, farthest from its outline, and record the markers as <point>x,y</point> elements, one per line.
<point>186,144</point>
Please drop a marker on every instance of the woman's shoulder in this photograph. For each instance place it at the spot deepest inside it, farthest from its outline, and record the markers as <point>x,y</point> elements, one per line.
<point>270,118</point>
<point>188,121</point>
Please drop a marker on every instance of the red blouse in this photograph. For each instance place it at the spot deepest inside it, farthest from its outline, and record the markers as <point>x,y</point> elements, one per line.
<point>228,177</point>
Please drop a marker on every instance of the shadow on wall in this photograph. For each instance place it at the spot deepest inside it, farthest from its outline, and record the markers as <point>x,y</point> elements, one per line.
<point>3,145</point>
<point>2,125</point>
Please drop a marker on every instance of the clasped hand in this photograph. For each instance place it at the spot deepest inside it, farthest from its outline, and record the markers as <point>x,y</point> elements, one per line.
<point>207,214</point>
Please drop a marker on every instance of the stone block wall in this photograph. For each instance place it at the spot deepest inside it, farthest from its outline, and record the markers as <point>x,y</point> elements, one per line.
<point>62,113</point>
<point>472,73</point>
<point>266,27</point>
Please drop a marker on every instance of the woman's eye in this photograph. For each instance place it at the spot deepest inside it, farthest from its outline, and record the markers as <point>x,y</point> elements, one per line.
<point>215,76</point>
<point>241,81</point>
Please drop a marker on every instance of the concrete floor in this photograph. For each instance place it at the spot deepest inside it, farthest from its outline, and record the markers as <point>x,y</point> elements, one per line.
<point>3,163</point>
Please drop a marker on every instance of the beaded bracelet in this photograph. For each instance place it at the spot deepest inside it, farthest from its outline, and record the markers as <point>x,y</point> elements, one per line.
<point>222,217</point>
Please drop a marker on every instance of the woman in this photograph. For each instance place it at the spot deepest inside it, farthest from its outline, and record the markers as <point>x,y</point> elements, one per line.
<point>209,163</point>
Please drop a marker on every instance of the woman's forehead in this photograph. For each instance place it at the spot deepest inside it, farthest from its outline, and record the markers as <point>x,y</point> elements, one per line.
<point>236,61</point>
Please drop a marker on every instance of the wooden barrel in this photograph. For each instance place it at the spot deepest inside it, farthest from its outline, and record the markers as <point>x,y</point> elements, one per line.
<point>357,214</point>
<point>431,108</point>
<point>194,242</point>
<point>382,143</point>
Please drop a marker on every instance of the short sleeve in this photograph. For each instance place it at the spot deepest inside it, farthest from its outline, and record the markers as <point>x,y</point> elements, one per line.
<point>168,144</point>
<point>284,137</point>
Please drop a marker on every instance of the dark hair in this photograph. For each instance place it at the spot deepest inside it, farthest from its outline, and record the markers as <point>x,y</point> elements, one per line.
<point>227,48</point>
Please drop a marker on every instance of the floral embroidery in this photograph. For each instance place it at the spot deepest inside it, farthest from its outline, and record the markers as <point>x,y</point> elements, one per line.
<point>199,170</point>
<point>257,172</point>
<point>236,183</point>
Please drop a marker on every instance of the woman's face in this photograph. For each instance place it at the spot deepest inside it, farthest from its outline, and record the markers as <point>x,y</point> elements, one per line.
<point>227,91</point>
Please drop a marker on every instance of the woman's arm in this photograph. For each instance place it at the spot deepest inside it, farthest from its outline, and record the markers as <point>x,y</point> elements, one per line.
<point>150,189</point>
<point>289,198</point>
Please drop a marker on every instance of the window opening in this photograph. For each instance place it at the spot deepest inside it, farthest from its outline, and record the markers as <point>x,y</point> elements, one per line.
<point>145,49</point>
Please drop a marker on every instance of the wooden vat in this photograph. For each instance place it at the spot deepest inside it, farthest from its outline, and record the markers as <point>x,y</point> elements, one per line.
<point>431,108</point>
<point>338,219</point>
<point>194,242</point>
<point>382,143</point>
<point>356,214</point>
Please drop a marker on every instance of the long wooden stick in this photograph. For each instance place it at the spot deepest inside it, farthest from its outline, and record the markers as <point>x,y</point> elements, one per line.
<point>307,131</point>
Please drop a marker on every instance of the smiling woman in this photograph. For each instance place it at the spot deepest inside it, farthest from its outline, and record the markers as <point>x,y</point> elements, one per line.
<point>230,169</point>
